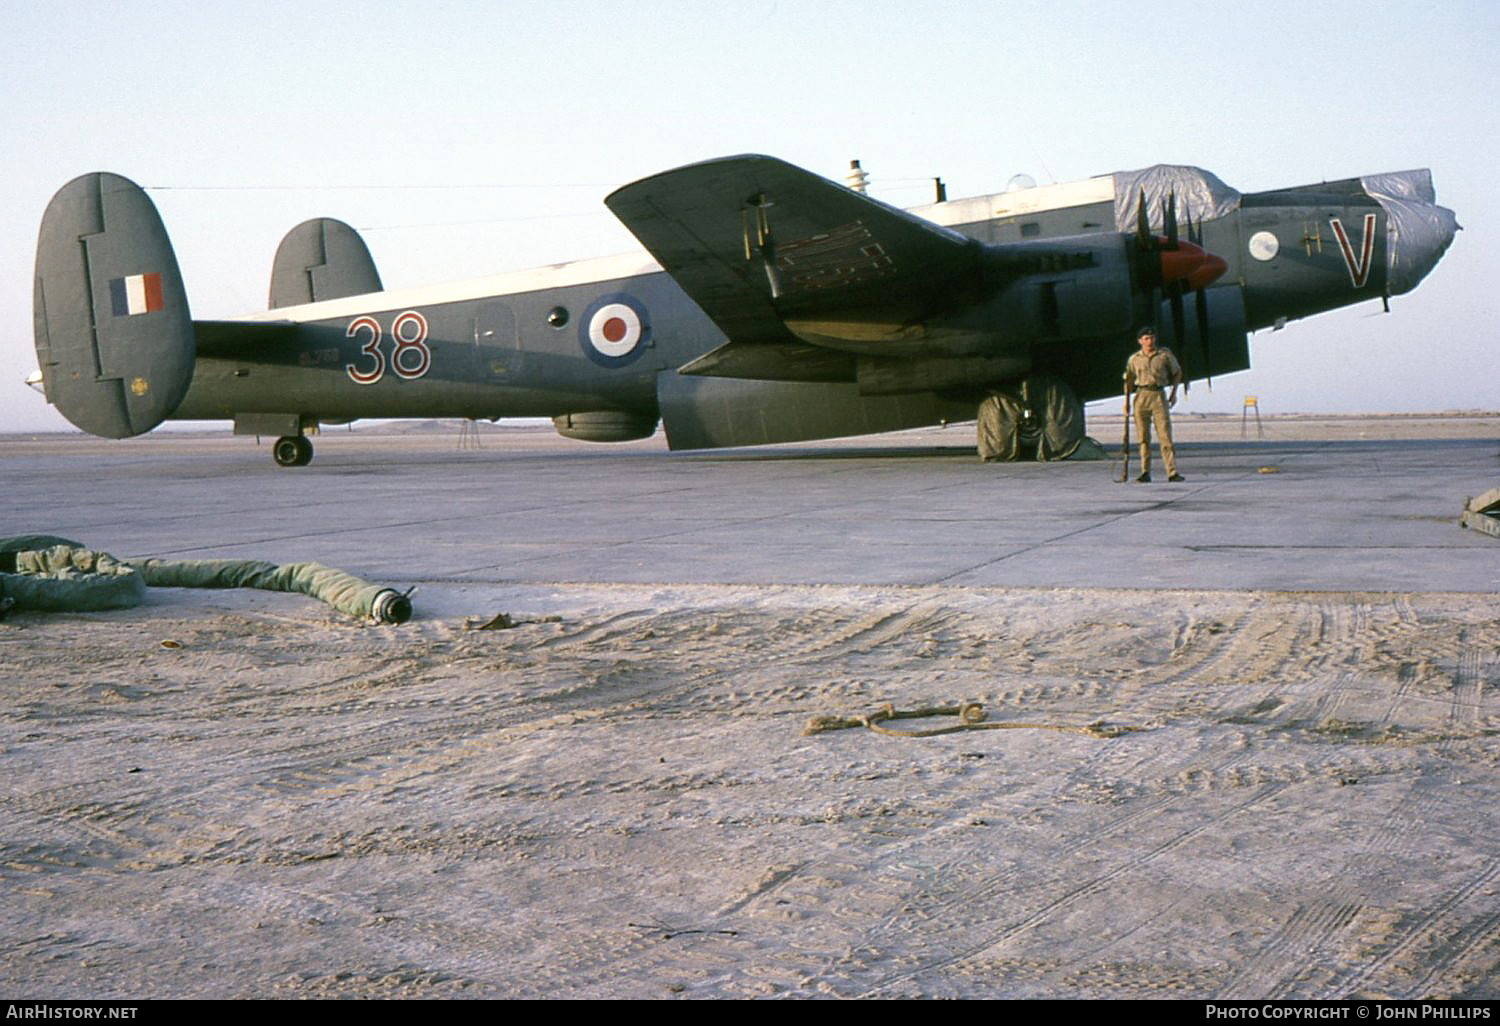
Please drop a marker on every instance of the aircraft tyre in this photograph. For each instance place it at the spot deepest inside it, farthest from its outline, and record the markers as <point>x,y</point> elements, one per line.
<point>292,451</point>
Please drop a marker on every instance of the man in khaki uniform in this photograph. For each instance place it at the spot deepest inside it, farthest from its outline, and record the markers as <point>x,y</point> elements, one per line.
<point>1147,373</point>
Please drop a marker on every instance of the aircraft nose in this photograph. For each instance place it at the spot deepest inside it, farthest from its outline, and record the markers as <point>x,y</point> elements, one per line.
<point>1418,231</point>
<point>1418,249</point>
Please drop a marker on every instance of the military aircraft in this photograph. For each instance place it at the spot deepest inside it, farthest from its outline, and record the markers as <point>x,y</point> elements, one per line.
<point>779,306</point>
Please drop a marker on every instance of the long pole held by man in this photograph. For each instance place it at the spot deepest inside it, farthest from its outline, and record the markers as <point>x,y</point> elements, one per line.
<point>1148,373</point>
<point>1125,441</point>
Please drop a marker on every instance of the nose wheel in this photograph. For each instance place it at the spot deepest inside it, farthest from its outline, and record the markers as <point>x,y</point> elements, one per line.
<point>292,451</point>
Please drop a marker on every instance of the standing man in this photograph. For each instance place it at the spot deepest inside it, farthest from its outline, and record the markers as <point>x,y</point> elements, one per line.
<point>1147,373</point>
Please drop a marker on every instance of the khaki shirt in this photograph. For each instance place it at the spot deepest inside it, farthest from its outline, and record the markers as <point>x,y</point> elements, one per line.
<point>1158,370</point>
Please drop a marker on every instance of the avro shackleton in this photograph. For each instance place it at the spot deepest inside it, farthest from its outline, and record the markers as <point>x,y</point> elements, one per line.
<point>774,305</point>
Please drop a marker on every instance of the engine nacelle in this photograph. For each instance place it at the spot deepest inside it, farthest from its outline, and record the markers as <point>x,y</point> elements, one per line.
<point>605,426</point>
<point>1062,290</point>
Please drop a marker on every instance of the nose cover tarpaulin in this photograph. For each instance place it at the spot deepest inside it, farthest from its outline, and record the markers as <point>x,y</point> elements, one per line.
<point>1418,231</point>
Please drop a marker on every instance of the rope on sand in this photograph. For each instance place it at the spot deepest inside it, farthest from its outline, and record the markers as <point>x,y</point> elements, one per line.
<point>971,716</point>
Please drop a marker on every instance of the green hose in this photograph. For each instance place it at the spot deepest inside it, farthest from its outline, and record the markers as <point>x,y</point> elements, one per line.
<point>50,574</point>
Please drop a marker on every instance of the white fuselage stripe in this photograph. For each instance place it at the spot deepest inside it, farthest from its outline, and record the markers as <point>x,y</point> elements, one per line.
<point>631,265</point>
<point>537,279</point>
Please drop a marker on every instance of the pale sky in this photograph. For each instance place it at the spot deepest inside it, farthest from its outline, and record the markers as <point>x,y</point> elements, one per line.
<point>469,138</point>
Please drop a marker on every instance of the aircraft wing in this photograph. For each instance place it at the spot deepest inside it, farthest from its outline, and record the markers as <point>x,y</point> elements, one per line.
<point>757,242</point>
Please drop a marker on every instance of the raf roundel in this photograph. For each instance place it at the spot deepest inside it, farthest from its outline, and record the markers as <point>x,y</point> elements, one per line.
<point>614,330</point>
<point>1264,246</point>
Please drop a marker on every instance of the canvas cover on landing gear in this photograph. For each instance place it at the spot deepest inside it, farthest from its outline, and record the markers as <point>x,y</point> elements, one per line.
<point>1040,418</point>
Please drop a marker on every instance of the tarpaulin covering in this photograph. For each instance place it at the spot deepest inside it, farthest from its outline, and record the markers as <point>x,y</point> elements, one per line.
<point>1040,418</point>
<point>1200,195</point>
<point>1413,218</point>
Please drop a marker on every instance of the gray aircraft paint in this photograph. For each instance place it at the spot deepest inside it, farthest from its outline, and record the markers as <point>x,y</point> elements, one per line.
<point>828,313</point>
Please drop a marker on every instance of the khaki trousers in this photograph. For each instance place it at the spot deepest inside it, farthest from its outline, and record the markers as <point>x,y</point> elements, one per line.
<point>1151,408</point>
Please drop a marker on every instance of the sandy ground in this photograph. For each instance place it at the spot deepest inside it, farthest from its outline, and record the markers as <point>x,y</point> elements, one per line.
<point>620,801</point>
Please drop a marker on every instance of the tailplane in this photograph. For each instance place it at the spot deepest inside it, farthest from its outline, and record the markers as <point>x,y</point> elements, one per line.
<point>114,337</point>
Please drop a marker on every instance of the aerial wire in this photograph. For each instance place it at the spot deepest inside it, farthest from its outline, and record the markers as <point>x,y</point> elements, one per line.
<point>372,188</point>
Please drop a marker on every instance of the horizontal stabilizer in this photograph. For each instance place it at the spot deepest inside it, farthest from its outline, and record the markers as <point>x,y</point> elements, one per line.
<point>756,241</point>
<point>114,337</point>
<point>321,259</point>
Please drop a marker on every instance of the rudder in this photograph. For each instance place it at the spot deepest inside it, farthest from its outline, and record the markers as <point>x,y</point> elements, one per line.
<point>113,333</point>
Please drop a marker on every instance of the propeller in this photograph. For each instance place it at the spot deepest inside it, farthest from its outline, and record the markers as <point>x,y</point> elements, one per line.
<point>1200,305</point>
<point>1176,267</point>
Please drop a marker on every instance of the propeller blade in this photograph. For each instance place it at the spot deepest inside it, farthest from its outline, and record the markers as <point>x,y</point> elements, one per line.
<point>1142,222</point>
<point>1169,219</point>
<point>1200,300</point>
<point>1177,327</point>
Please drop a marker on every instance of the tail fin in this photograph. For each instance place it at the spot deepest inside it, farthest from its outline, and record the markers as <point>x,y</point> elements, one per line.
<point>321,259</point>
<point>113,333</point>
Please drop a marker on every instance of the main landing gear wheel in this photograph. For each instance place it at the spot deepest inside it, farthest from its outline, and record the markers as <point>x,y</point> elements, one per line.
<point>292,451</point>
